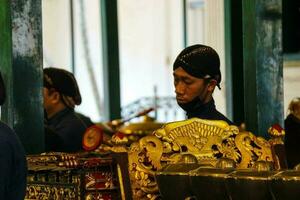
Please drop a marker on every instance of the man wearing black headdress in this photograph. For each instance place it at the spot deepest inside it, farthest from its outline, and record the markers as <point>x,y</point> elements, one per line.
<point>61,95</point>
<point>13,167</point>
<point>196,72</point>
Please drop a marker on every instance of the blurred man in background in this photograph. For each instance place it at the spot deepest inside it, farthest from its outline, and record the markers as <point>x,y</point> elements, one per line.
<point>292,133</point>
<point>61,95</point>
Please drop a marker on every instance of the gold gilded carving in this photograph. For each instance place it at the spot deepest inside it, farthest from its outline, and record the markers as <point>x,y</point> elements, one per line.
<point>207,140</point>
<point>195,136</point>
<point>40,191</point>
<point>122,188</point>
<point>228,149</point>
<point>277,134</point>
<point>144,160</point>
<point>252,149</point>
<point>115,148</point>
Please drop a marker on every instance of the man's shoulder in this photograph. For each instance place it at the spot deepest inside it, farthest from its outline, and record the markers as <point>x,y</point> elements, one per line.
<point>220,116</point>
<point>71,116</point>
<point>292,119</point>
<point>9,141</point>
<point>85,118</point>
<point>6,133</point>
<point>4,126</point>
<point>73,122</point>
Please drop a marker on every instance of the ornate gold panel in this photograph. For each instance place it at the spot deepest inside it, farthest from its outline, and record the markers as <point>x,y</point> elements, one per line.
<point>207,140</point>
<point>43,191</point>
<point>252,149</point>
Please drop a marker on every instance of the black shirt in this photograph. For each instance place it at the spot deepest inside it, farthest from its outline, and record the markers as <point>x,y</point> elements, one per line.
<point>292,139</point>
<point>207,111</point>
<point>13,167</point>
<point>70,127</point>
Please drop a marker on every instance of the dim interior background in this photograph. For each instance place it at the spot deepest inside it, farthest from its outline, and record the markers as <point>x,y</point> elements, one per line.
<point>151,34</point>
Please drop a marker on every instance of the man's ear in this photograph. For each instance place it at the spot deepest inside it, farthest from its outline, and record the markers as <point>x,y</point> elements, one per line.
<point>211,85</point>
<point>55,97</point>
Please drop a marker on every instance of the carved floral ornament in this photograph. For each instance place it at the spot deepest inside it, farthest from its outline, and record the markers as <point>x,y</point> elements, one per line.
<point>207,140</point>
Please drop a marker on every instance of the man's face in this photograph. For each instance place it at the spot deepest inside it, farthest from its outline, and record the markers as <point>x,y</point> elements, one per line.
<point>50,99</point>
<point>188,87</point>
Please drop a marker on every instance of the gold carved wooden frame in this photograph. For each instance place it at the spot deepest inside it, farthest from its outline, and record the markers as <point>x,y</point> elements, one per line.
<point>207,140</point>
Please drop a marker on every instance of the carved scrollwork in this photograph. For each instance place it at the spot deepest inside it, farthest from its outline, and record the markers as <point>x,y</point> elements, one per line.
<point>40,191</point>
<point>144,161</point>
<point>227,149</point>
<point>252,149</point>
<point>195,136</point>
<point>207,140</point>
<point>151,153</point>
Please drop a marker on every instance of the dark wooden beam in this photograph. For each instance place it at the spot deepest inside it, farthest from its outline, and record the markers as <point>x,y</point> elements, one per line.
<point>111,71</point>
<point>234,61</point>
<point>21,65</point>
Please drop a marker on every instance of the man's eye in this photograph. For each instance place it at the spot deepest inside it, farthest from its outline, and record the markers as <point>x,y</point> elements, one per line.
<point>188,82</point>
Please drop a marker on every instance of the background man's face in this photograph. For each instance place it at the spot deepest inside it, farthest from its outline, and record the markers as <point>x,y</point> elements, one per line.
<point>46,97</point>
<point>50,99</point>
<point>188,87</point>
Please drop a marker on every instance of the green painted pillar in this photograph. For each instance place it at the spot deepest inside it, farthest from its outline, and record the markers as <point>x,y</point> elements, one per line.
<point>110,47</point>
<point>21,65</point>
<point>263,64</point>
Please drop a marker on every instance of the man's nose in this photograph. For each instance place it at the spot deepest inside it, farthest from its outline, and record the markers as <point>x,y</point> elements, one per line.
<point>179,88</point>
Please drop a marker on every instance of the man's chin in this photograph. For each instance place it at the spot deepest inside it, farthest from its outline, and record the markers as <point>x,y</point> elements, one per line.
<point>181,101</point>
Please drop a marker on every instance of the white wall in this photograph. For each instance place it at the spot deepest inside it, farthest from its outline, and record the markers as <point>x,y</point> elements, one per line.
<point>206,26</point>
<point>57,47</point>
<point>89,60</point>
<point>56,33</point>
<point>148,42</point>
<point>150,37</point>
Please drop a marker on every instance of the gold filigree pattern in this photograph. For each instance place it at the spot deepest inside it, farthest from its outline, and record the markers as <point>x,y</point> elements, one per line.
<point>144,160</point>
<point>252,149</point>
<point>40,191</point>
<point>228,150</point>
<point>207,140</point>
<point>195,136</point>
<point>72,176</point>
